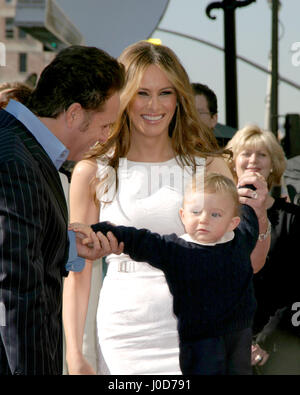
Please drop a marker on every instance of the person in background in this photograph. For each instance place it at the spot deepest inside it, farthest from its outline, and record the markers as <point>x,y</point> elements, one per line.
<point>137,179</point>
<point>72,107</point>
<point>277,348</point>
<point>14,90</point>
<point>207,107</point>
<point>213,296</point>
<point>206,104</point>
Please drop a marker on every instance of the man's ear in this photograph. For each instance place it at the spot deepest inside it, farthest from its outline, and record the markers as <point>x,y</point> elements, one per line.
<point>234,223</point>
<point>214,120</point>
<point>74,114</point>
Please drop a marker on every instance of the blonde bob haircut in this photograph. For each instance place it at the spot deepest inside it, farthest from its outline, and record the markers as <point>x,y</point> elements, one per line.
<point>251,136</point>
<point>190,137</point>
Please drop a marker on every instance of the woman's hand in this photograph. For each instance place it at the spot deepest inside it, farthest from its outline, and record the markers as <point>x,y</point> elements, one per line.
<point>78,365</point>
<point>258,355</point>
<point>256,199</point>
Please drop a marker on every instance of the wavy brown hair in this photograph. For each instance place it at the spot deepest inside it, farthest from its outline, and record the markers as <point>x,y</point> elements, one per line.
<point>14,90</point>
<point>190,137</point>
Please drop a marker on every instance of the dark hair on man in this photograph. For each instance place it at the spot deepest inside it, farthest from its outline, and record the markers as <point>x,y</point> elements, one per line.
<point>78,74</point>
<point>200,89</point>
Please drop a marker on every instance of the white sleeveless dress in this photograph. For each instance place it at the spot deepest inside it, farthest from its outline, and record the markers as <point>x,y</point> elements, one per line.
<point>136,326</point>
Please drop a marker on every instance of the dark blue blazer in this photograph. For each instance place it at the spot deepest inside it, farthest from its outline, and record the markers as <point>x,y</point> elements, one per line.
<point>33,253</point>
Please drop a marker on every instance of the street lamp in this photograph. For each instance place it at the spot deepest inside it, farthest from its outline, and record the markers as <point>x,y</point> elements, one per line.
<point>273,115</point>
<point>231,99</point>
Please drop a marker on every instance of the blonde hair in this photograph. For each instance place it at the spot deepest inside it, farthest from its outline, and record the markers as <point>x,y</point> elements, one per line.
<point>190,137</point>
<point>253,136</point>
<point>214,183</point>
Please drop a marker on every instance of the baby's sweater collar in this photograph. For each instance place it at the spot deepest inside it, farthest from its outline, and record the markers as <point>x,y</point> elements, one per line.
<point>227,237</point>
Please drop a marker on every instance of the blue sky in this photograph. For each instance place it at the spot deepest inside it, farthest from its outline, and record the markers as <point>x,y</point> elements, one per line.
<point>205,64</point>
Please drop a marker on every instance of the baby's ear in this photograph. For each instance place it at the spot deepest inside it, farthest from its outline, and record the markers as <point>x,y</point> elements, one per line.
<point>181,213</point>
<point>234,223</point>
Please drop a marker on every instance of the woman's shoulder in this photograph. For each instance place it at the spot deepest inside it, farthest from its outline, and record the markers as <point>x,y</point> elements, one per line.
<point>85,168</point>
<point>218,165</point>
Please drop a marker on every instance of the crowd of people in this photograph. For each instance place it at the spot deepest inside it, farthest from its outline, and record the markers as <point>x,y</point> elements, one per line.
<point>198,280</point>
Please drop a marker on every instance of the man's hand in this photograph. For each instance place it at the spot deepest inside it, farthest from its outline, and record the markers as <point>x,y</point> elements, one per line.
<point>91,246</point>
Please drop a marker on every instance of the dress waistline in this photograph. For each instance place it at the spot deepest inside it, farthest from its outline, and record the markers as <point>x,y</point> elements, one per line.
<point>129,266</point>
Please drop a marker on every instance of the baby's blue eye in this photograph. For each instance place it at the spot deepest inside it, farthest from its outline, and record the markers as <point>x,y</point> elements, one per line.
<point>215,215</point>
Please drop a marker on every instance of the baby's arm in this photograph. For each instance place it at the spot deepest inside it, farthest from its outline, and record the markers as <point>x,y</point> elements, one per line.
<point>140,244</point>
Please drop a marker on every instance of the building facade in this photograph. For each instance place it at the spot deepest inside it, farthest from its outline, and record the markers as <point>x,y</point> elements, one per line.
<point>21,56</point>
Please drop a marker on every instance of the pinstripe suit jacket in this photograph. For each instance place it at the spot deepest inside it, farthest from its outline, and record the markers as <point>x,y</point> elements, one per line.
<point>33,253</point>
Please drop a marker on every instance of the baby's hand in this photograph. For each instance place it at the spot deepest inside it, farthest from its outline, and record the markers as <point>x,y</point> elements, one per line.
<point>83,232</point>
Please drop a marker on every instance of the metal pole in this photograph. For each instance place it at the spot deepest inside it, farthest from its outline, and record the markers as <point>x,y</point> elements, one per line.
<point>274,84</point>
<point>231,96</point>
<point>231,92</point>
<point>257,66</point>
<point>267,123</point>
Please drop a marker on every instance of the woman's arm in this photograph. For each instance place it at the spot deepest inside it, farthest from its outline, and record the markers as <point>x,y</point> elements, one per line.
<point>258,201</point>
<point>218,165</point>
<point>77,284</point>
<point>260,252</point>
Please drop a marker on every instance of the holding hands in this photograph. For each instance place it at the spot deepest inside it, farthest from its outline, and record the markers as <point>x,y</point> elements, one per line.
<point>93,246</point>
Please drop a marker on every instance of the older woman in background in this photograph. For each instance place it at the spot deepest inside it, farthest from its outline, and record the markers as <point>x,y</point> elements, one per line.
<point>277,284</point>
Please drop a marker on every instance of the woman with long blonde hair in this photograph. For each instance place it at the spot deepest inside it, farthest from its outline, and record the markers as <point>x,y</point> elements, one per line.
<point>137,178</point>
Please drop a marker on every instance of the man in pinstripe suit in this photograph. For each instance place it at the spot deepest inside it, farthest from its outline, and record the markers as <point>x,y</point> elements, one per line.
<point>72,107</point>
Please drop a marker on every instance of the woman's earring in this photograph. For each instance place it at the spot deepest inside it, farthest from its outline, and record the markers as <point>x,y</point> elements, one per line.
<point>271,171</point>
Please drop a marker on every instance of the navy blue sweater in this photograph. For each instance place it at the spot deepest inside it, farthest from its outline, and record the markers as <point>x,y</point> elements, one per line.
<point>211,285</point>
